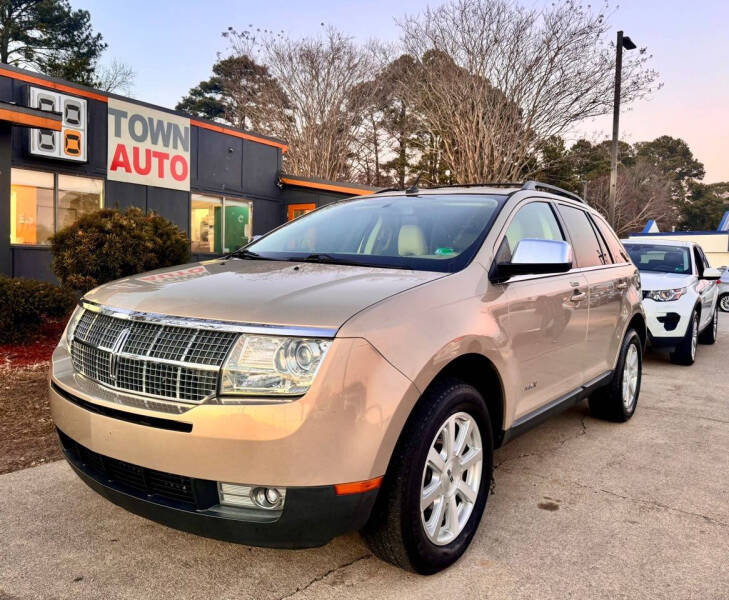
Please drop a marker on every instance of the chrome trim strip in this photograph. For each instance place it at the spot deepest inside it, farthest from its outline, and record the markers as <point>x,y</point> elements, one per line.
<point>210,324</point>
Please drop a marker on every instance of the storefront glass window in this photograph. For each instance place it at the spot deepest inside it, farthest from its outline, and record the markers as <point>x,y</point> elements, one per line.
<point>77,196</point>
<point>237,224</point>
<point>205,224</point>
<point>31,207</point>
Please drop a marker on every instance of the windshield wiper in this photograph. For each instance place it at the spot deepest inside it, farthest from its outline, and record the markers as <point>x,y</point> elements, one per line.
<point>318,258</point>
<point>249,254</point>
<point>333,260</point>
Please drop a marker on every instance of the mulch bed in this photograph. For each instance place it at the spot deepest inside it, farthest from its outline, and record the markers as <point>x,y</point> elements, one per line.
<point>27,434</point>
<point>35,351</point>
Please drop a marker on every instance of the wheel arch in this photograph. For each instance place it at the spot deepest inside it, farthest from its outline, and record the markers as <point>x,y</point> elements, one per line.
<point>477,370</point>
<point>638,323</point>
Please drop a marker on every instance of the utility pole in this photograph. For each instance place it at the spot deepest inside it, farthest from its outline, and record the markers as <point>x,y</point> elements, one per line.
<point>627,43</point>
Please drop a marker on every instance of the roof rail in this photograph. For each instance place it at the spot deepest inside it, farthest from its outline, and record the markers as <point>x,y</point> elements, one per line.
<point>527,185</point>
<point>545,187</point>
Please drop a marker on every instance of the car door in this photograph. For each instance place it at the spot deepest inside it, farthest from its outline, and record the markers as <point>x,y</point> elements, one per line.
<point>546,324</point>
<point>708,290</point>
<point>607,284</point>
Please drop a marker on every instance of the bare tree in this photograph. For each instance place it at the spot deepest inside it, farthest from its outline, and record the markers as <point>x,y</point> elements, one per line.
<point>643,193</point>
<point>115,76</point>
<point>319,78</point>
<point>493,78</point>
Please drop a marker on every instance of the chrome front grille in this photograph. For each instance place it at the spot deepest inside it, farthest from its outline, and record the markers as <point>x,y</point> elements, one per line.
<point>159,360</point>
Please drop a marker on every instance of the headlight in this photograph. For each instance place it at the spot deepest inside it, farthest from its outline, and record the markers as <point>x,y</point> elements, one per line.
<point>665,295</point>
<point>261,365</point>
<point>71,325</point>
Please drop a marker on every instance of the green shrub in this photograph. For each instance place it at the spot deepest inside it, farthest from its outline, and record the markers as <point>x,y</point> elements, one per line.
<point>26,303</point>
<point>109,244</point>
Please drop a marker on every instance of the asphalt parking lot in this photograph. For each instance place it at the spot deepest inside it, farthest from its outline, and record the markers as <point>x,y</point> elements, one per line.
<point>581,509</point>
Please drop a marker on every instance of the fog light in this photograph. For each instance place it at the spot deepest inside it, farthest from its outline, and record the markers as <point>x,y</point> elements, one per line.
<point>247,496</point>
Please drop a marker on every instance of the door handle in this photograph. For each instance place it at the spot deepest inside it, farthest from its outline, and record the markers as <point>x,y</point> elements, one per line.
<point>578,296</point>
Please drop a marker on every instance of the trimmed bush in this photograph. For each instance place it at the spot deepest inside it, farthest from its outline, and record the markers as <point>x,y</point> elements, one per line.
<point>26,303</point>
<point>110,244</point>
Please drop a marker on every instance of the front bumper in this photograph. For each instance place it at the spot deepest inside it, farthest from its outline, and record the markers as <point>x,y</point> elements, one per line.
<point>311,516</point>
<point>668,321</point>
<point>343,430</point>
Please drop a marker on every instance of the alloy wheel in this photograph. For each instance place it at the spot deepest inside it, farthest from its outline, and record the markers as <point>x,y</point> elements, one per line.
<point>724,303</point>
<point>631,370</point>
<point>694,336</point>
<point>451,478</point>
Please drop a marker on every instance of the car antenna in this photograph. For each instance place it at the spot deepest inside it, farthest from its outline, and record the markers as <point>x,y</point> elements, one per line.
<point>413,189</point>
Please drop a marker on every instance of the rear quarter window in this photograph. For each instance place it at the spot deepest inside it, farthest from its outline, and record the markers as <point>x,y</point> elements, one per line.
<point>617,250</point>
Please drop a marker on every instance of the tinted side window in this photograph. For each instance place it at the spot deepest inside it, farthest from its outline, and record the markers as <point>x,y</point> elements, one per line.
<point>616,248</point>
<point>604,252</point>
<point>703,258</point>
<point>698,259</point>
<point>584,240</point>
<point>533,221</point>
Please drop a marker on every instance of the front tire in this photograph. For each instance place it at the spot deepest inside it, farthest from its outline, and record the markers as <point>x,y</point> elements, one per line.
<point>685,352</point>
<point>708,336</point>
<point>618,400</point>
<point>436,487</point>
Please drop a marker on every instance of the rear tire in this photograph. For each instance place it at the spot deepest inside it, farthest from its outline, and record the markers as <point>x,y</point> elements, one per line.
<point>724,303</point>
<point>685,352</point>
<point>404,528</point>
<point>708,336</point>
<point>618,400</point>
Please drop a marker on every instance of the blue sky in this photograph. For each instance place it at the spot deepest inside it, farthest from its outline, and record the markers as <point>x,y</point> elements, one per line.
<point>172,44</point>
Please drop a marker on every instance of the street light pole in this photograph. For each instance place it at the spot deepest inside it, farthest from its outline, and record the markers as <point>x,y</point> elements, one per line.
<point>627,43</point>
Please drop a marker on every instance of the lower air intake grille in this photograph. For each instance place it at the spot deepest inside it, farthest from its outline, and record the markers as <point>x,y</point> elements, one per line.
<point>176,489</point>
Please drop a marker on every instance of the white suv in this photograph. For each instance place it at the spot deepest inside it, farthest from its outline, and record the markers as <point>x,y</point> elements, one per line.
<point>680,294</point>
<point>724,290</point>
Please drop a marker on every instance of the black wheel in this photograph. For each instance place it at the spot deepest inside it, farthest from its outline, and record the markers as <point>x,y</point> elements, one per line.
<point>709,335</point>
<point>685,352</point>
<point>724,303</point>
<point>436,486</point>
<point>617,401</point>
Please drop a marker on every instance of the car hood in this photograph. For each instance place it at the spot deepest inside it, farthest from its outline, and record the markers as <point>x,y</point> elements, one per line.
<point>260,291</point>
<point>650,280</point>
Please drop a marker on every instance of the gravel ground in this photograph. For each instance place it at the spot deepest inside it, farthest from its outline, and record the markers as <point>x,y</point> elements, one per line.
<point>581,509</point>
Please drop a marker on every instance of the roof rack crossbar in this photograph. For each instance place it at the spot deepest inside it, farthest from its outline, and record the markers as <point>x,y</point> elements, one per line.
<point>546,187</point>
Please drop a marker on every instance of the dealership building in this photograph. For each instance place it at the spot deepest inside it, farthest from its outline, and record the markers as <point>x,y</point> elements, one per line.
<point>66,150</point>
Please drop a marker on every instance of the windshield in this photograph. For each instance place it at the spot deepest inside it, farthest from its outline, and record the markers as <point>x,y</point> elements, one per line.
<point>664,259</point>
<point>428,233</point>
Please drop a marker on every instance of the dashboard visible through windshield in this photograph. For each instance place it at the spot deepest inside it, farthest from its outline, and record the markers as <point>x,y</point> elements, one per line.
<point>429,232</point>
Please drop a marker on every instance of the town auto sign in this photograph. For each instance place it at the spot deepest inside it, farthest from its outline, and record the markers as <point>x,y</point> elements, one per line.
<point>147,146</point>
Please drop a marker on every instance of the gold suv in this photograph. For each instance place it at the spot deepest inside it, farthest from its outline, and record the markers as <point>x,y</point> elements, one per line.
<point>353,369</point>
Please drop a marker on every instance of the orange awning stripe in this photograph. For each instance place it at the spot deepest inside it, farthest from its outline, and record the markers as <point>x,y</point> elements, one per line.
<point>61,87</point>
<point>239,134</point>
<point>21,118</point>
<point>326,186</point>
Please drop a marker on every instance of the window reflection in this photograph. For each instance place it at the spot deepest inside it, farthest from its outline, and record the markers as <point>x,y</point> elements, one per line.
<point>78,196</point>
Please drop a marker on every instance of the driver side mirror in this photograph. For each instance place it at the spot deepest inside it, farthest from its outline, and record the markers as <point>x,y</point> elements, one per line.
<point>711,274</point>
<point>534,257</point>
